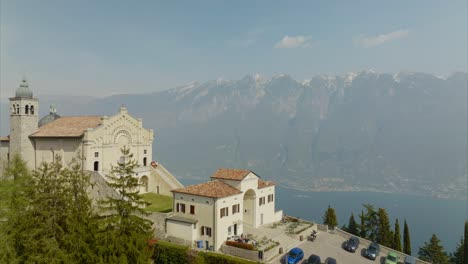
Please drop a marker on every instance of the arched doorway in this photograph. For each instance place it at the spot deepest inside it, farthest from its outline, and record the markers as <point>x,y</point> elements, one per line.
<point>144,184</point>
<point>249,207</point>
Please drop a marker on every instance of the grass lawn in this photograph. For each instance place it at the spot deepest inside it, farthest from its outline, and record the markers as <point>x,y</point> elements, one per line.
<point>158,203</point>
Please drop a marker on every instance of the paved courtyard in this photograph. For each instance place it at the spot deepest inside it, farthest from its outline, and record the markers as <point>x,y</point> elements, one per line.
<point>329,245</point>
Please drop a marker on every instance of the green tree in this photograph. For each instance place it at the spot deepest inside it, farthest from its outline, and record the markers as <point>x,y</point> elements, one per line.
<point>59,221</point>
<point>406,240</point>
<point>124,230</point>
<point>362,226</point>
<point>433,251</point>
<point>330,218</point>
<point>352,226</point>
<point>16,190</point>
<point>397,236</point>
<point>371,222</point>
<point>457,257</point>
<point>384,236</point>
<point>465,246</point>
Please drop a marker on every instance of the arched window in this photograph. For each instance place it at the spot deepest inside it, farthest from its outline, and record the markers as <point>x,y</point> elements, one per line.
<point>17,108</point>
<point>96,165</point>
<point>32,109</point>
<point>26,109</point>
<point>144,161</point>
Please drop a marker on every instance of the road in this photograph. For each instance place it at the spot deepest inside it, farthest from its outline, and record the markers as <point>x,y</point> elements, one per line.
<point>329,245</point>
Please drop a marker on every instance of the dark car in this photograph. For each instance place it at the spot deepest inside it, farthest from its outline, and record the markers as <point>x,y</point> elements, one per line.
<point>351,244</point>
<point>294,256</point>
<point>373,251</point>
<point>330,261</point>
<point>313,259</point>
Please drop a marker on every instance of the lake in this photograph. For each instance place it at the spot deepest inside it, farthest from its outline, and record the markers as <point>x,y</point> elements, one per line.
<point>424,215</point>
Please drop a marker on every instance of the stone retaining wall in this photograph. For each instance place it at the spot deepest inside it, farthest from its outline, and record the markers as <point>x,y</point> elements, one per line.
<point>240,252</point>
<point>159,224</point>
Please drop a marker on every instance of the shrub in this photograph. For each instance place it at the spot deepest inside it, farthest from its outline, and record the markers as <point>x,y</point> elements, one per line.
<point>168,253</point>
<point>240,245</point>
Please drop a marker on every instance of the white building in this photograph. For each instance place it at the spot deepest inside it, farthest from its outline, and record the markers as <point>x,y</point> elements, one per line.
<point>220,208</point>
<point>95,140</point>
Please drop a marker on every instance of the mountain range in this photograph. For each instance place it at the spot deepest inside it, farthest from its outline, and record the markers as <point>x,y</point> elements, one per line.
<point>363,131</point>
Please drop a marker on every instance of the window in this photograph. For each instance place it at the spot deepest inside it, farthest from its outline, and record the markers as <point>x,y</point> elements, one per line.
<point>205,231</point>
<point>31,109</point>
<point>235,208</point>
<point>270,198</point>
<point>261,201</point>
<point>224,212</point>
<point>192,209</point>
<point>144,161</point>
<point>145,151</point>
<point>229,230</point>
<point>96,154</point>
<point>96,165</point>
<point>26,109</point>
<point>17,108</point>
<point>180,207</point>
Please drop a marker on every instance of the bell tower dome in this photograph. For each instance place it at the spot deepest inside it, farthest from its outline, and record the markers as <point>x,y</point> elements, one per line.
<point>24,110</point>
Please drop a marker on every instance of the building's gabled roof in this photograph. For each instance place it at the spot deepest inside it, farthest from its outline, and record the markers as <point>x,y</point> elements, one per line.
<point>68,126</point>
<point>263,184</point>
<point>213,189</point>
<point>7,138</point>
<point>231,174</point>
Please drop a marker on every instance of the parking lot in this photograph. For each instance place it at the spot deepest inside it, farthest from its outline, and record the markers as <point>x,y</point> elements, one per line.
<point>329,245</point>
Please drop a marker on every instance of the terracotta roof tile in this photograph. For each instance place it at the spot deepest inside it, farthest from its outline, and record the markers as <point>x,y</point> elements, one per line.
<point>263,184</point>
<point>7,138</point>
<point>68,126</point>
<point>214,189</point>
<point>230,174</point>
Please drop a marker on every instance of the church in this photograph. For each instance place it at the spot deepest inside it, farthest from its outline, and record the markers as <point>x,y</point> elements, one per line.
<point>95,140</point>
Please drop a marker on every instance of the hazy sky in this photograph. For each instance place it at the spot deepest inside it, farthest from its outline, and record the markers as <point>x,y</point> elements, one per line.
<point>107,47</point>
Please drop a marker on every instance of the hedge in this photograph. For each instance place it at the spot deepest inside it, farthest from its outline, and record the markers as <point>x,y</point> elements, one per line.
<point>169,253</point>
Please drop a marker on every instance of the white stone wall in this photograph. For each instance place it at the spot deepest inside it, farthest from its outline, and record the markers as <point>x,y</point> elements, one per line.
<point>185,231</point>
<point>66,148</point>
<point>249,182</point>
<point>267,209</point>
<point>223,224</point>
<point>203,214</point>
<point>116,132</point>
<point>21,126</point>
<point>4,150</point>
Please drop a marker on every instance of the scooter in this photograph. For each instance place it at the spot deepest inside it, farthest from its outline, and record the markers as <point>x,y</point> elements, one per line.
<point>312,236</point>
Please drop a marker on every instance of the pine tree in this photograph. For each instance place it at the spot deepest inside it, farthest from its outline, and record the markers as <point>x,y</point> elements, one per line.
<point>465,246</point>
<point>362,226</point>
<point>330,218</point>
<point>16,188</point>
<point>397,237</point>
<point>124,230</point>
<point>433,252</point>
<point>352,226</point>
<point>406,240</point>
<point>371,222</point>
<point>384,236</point>
<point>458,256</point>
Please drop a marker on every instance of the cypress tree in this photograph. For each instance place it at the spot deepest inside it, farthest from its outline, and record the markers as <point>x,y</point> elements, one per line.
<point>384,236</point>
<point>362,226</point>
<point>371,222</point>
<point>458,256</point>
<point>352,226</point>
<point>124,230</point>
<point>465,246</point>
<point>330,218</point>
<point>406,240</point>
<point>433,252</point>
<point>397,237</point>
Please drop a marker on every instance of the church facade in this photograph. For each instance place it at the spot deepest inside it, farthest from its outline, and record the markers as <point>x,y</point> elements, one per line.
<point>95,140</point>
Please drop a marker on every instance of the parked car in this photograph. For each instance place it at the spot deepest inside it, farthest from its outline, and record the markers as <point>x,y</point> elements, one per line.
<point>294,256</point>
<point>373,251</point>
<point>392,258</point>
<point>410,260</point>
<point>330,261</point>
<point>351,244</point>
<point>313,259</point>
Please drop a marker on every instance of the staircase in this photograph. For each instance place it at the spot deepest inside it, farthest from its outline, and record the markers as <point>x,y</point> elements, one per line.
<point>166,176</point>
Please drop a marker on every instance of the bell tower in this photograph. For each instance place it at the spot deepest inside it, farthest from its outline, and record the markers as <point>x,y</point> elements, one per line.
<point>24,110</point>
